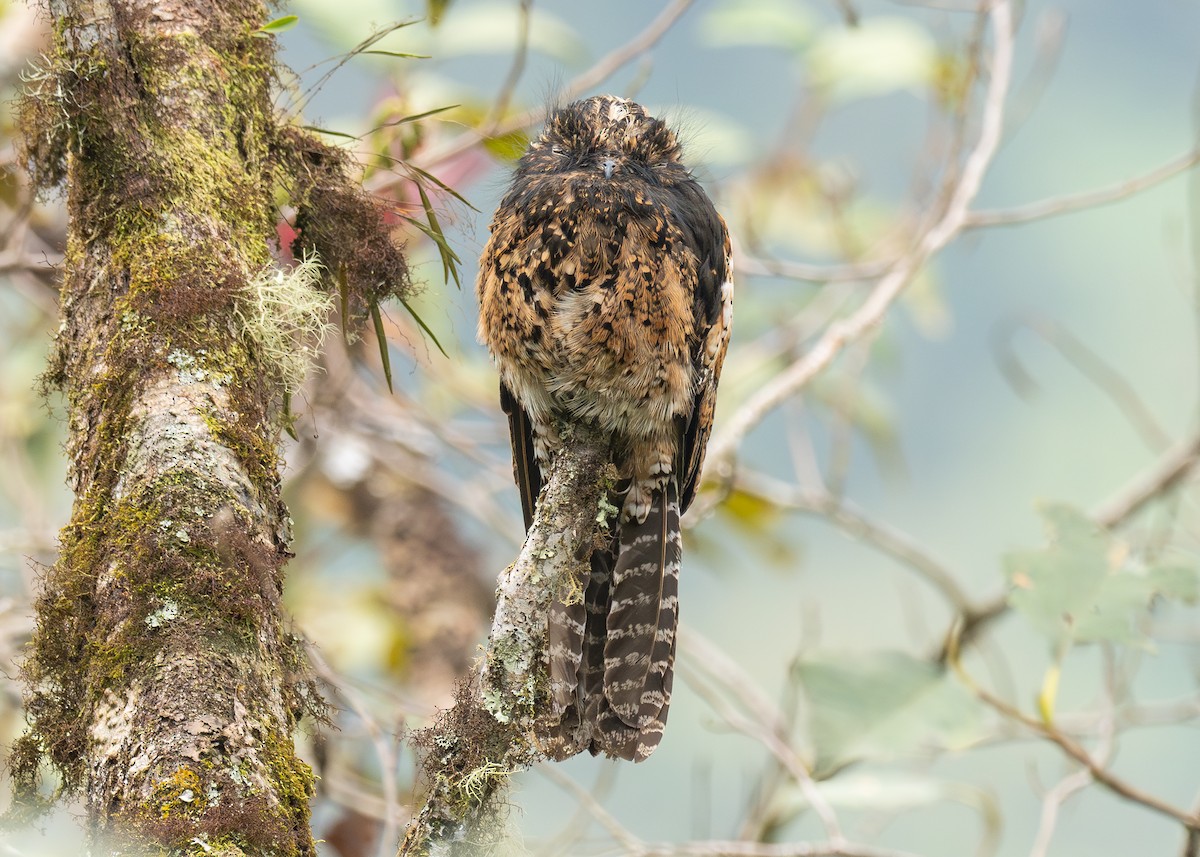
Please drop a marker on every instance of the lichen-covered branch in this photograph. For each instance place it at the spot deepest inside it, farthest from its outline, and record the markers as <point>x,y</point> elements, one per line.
<point>492,730</point>
<point>163,682</point>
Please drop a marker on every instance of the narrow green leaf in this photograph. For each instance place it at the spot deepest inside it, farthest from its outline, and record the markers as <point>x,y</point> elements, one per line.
<point>508,147</point>
<point>417,116</point>
<point>436,237</point>
<point>449,259</point>
<point>428,332</point>
<point>1084,587</point>
<point>441,184</point>
<point>399,54</point>
<point>280,24</point>
<point>289,421</point>
<point>367,43</point>
<point>381,337</point>
<point>883,705</point>
<point>437,8</point>
<point>448,256</point>
<point>327,131</point>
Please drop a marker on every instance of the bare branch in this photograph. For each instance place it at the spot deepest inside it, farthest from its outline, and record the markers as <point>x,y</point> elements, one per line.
<point>733,848</point>
<point>765,725</point>
<point>1172,466</point>
<point>756,267</point>
<point>592,807</point>
<point>490,732</point>
<point>1072,748</point>
<point>604,68</point>
<point>724,446</point>
<point>504,96</point>
<point>855,523</point>
<point>383,743</point>
<point>1088,199</point>
<point>1088,362</point>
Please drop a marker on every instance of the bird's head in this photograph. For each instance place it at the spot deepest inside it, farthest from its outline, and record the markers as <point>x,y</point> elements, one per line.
<point>606,138</point>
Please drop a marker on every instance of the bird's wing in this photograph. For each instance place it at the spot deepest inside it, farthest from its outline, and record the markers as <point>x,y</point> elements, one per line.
<point>525,468</point>
<point>713,308</point>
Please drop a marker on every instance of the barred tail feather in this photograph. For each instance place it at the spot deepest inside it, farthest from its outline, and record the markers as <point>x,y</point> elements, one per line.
<point>640,650</point>
<point>576,635</point>
<point>566,654</point>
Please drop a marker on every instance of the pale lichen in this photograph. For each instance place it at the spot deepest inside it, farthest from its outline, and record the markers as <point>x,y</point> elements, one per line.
<point>285,316</point>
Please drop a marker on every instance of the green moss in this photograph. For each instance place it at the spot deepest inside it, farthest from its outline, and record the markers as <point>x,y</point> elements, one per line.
<point>171,223</point>
<point>180,794</point>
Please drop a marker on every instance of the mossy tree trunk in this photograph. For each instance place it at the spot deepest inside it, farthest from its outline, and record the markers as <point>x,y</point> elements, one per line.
<point>163,681</point>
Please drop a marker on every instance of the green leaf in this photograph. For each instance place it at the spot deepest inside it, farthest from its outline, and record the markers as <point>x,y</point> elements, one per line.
<point>280,24</point>
<point>397,54</point>
<point>781,23</point>
<point>491,28</point>
<point>883,705</point>
<point>289,419</point>
<point>886,791</point>
<point>437,8</point>
<point>417,116</point>
<point>441,184</point>
<point>428,331</point>
<point>381,338</point>
<point>880,55</point>
<point>508,147</point>
<point>317,130</point>
<point>450,259</point>
<point>1084,587</point>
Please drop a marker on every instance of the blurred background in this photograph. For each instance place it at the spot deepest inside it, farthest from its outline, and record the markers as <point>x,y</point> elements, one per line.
<point>939,474</point>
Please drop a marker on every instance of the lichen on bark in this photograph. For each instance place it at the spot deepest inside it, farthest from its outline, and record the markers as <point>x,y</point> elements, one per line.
<point>163,682</point>
<point>498,723</point>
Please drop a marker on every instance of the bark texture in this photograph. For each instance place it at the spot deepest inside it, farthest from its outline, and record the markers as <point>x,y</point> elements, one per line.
<point>164,683</point>
<point>498,724</point>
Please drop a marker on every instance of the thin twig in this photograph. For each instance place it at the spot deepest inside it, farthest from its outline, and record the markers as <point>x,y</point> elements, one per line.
<point>604,68</point>
<point>735,848</point>
<point>849,13</point>
<point>1072,748</point>
<point>587,802</point>
<point>520,54</point>
<point>852,521</point>
<point>1088,362</point>
<point>753,266</point>
<point>1088,199</point>
<point>765,726</point>
<point>383,749</point>
<point>870,315</point>
<point>1172,466</point>
<point>1069,785</point>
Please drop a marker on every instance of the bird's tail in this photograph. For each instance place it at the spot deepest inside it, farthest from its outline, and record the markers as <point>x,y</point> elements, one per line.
<point>639,633</point>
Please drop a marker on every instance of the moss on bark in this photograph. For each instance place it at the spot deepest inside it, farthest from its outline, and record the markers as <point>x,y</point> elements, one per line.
<point>163,682</point>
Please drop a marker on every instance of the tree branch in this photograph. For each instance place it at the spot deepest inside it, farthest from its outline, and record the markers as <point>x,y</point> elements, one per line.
<point>1089,199</point>
<point>492,731</point>
<point>1171,467</point>
<point>867,317</point>
<point>604,68</point>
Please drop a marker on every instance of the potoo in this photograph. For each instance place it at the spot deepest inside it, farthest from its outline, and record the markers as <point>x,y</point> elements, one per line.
<point>605,298</point>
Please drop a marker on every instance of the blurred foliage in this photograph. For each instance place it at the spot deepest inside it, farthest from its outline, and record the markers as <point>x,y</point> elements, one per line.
<point>1087,587</point>
<point>823,144</point>
<point>882,706</point>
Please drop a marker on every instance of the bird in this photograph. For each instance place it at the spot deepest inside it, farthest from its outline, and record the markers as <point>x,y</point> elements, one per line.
<point>606,300</point>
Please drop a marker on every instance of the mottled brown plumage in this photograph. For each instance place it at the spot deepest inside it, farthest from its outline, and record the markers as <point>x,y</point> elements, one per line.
<point>605,297</point>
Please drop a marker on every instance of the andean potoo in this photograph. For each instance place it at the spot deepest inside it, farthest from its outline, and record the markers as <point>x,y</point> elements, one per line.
<point>605,298</point>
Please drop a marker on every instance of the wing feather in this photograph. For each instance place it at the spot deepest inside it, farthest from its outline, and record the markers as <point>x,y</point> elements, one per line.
<point>526,472</point>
